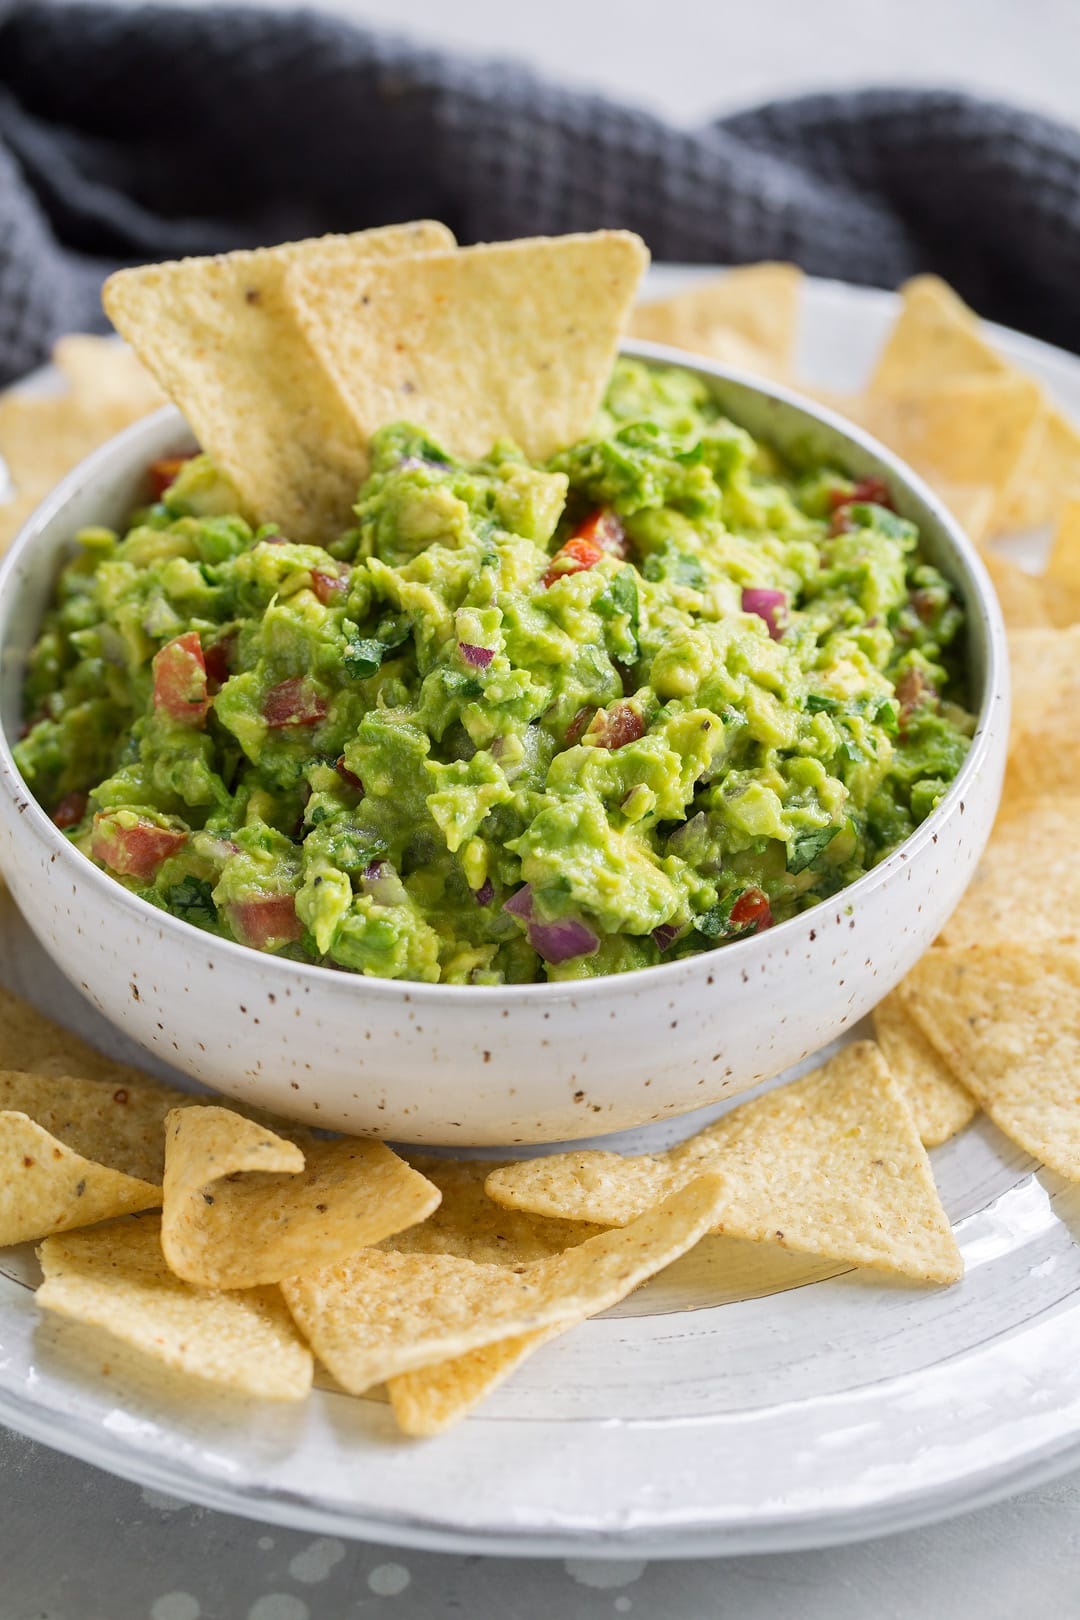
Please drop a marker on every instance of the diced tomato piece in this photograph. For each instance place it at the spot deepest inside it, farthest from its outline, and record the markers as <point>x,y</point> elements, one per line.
<point>573,558</point>
<point>577,725</point>
<point>912,690</point>
<point>180,679</point>
<point>602,528</point>
<point>329,586</point>
<point>165,472</point>
<point>218,660</point>
<point>70,810</point>
<point>293,703</point>
<point>751,911</point>
<point>869,491</point>
<point>348,776</point>
<point>136,850</point>
<point>615,727</point>
<point>267,921</point>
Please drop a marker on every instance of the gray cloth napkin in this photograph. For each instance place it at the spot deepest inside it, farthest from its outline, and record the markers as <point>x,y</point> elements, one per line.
<point>129,134</point>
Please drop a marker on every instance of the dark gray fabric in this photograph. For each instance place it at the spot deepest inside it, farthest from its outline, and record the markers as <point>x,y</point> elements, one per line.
<point>131,134</point>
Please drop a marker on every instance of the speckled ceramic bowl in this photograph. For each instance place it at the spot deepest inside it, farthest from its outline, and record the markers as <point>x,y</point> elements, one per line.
<point>479,1066</point>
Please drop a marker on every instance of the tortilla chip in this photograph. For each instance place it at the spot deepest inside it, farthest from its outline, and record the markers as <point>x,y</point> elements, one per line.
<point>1044,760</point>
<point>41,438</point>
<point>30,1041</point>
<point>115,1278</point>
<point>243,1206</point>
<point>119,1126</point>
<point>1045,477</point>
<point>940,1105</point>
<point>971,430</point>
<point>432,1399</point>
<point>46,1188</point>
<point>1045,666</point>
<point>1006,1018</point>
<point>379,1315</point>
<point>470,1225</point>
<point>935,338</point>
<point>1062,578</point>
<point>972,505</point>
<point>1033,843</point>
<point>748,318</point>
<point>1022,596</point>
<point>105,377</point>
<point>830,1165</point>
<point>220,337</point>
<point>510,340</point>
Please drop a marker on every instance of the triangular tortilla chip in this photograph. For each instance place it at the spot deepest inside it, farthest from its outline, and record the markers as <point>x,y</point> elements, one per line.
<point>221,339</point>
<point>940,1104</point>
<point>379,1315</point>
<point>510,340</point>
<point>830,1164</point>
<point>970,430</point>
<point>1006,1018</point>
<point>1031,836</point>
<point>972,505</point>
<point>1044,478</point>
<point>30,1041</point>
<point>46,1188</point>
<point>1063,568</point>
<point>106,378</point>
<point>470,1225</point>
<point>119,1126</point>
<point>1045,666</point>
<point>935,338</point>
<point>115,1278</point>
<point>747,318</point>
<point>243,1206</point>
<point>432,1399</point>
<point>1022,596</point>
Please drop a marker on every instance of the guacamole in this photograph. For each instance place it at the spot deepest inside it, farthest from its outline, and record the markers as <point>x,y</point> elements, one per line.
<point>519,722</point>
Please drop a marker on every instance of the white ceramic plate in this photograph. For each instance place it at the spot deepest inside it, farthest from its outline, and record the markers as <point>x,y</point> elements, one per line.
<point>746,1400</point>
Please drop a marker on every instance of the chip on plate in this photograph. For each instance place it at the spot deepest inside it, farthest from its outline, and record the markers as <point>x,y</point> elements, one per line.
<point>831,1164</point>
<point>1063,568</point>
<point>222,340</point>
<point>1033,844</point>
<point>45,1187</point>
<point>382,1314</point>
<point>1006,1018</point>
<point>115,1278</point>
<point>243,1206</point>
<point>747,318</point>
<point>511,340</point>
<point>935,337</point>
<point>1023,597</point>
<point>431,1399</point>
<point>940,1104</point>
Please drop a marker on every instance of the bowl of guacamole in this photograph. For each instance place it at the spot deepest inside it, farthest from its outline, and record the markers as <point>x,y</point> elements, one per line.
<point>521,731</point>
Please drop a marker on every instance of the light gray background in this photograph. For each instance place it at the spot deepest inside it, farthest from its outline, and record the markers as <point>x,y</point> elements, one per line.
<point>78,1545</point>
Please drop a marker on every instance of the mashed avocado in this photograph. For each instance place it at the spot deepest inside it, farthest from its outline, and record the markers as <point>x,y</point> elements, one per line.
<point>520,722</point>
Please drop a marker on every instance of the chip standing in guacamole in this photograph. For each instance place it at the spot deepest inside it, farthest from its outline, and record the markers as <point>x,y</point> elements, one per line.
<point>519,722</point>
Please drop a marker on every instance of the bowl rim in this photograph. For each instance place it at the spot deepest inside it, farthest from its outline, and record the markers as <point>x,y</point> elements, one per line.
<point>738,953</point>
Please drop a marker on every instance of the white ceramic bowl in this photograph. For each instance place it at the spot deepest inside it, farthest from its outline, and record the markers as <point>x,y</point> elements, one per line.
<point>445,1064</point>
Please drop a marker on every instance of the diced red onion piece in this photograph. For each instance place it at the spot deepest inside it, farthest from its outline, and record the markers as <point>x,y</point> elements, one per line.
<point>485,894</point>
<point>381,882</point>
<point>520,904</point>
<point>768,604</point>
<point>562,940</point>
<point>478,657</point>
<point>666,935</point>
